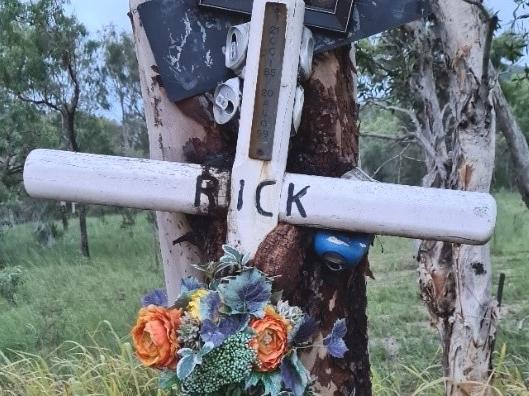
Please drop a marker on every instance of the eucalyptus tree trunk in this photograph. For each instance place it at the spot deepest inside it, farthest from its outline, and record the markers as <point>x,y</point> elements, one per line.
<point>518,147</point>
<point>68,126</point>
<point>327,145</point>
<point>164,119</point>
<point>455,280</point>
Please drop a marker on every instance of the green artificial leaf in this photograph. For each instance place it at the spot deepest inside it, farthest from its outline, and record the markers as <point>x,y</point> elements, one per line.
<point>185,352</point>
<point>207,348</point>
<point>185,366</point>
<point>189,359</point>
<point>168,379</point>
<point>245,259</point>
<point>231,254</point>
<point>253,380</point>
<point>246,293</point>
<point>271,382</point>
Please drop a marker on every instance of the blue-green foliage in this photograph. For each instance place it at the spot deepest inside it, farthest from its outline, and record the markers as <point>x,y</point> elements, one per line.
<point>189,359</point>
<point>218,333</point>
<point>294,375</point>
<point>246,293</point>
<point>10,279</point>
<point>232,257</point>
<point>305,330</point>
<point>270,383</point>
<point>190,284</point>
<point>187,287</point>
<point>210,306</point>
<point>229,364</point>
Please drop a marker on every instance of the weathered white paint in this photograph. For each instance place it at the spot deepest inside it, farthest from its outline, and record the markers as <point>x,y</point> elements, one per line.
<point>246,228</point>
<point>163,118</point>
<point>118,181</point>
<point>352,205</point>
<point>392,209</point>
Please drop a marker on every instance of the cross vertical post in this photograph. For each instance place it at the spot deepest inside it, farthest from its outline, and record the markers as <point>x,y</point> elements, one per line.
<point>266,121</point>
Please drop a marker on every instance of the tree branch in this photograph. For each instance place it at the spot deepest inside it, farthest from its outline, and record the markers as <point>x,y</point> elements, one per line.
<point>407,138</point>
<point>411,114</point>
<point>388,161</point>
<point>74,101</point>
<point>38,102</point>
<point>516,141</point>
<point>428,146</point>
<point>492,24</point>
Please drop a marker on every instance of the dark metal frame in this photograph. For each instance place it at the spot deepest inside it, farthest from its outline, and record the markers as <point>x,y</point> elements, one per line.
<point>336,20</point>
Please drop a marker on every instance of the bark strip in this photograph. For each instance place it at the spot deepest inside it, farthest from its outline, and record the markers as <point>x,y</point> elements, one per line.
<point>326,145</point>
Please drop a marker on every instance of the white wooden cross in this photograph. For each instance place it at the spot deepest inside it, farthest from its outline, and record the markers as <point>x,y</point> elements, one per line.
<point>257,192</point>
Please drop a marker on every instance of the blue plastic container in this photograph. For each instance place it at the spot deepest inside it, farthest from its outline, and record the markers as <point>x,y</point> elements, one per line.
<point>342,250</point>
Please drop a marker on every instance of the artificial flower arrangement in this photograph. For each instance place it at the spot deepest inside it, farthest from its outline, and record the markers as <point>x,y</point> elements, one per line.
<point>230,335</point>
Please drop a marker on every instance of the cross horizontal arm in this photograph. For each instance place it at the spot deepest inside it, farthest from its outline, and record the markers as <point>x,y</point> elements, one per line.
<point>379,208</point>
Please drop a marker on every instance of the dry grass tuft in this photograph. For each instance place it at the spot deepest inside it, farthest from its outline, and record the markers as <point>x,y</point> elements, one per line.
<point>73,369</point>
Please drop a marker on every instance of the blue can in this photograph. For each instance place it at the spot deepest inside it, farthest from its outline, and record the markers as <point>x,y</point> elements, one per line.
<point>342,250</point>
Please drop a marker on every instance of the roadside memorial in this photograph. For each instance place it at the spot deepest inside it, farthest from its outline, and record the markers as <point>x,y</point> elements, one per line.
<point>210,321</point>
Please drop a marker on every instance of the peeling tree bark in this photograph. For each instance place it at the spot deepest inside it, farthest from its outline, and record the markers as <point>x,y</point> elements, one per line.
<point>518,147</point>
<point>169,129</point>
<point>326,145</point>
<point>455,280</point>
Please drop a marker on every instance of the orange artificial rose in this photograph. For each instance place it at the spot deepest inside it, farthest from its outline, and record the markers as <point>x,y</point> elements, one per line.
<point>155,338</point>
<point>271,341</point>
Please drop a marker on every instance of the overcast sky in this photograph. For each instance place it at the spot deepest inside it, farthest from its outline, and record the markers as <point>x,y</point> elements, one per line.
<point>98,13</point>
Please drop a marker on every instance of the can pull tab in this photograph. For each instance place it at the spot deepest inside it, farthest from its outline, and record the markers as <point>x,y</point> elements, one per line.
<point>227,100</point>
<point>222,101</point>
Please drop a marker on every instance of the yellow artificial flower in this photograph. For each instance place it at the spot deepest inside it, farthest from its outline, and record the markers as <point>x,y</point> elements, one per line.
<point>272,312</point>
<point>194,305</point>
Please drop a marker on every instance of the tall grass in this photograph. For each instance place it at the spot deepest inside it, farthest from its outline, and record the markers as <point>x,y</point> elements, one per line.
<point>507,379</point>
<point>76,370</point>
<point>62,296</point>
<point>47,346</point>
<point>73,369</point>
<point>404,348</point>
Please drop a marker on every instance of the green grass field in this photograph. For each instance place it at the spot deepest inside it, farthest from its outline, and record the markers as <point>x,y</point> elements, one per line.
<point>67,331</point>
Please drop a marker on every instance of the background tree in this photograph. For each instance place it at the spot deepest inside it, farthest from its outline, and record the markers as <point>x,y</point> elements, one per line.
<point>441,90</point>
<point>19,122</point>
<point>48,60</point>
<point>120,72</point>
<point>511,95</point>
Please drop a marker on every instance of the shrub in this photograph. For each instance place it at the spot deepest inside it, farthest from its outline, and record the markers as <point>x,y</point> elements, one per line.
<point>10,279</point>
